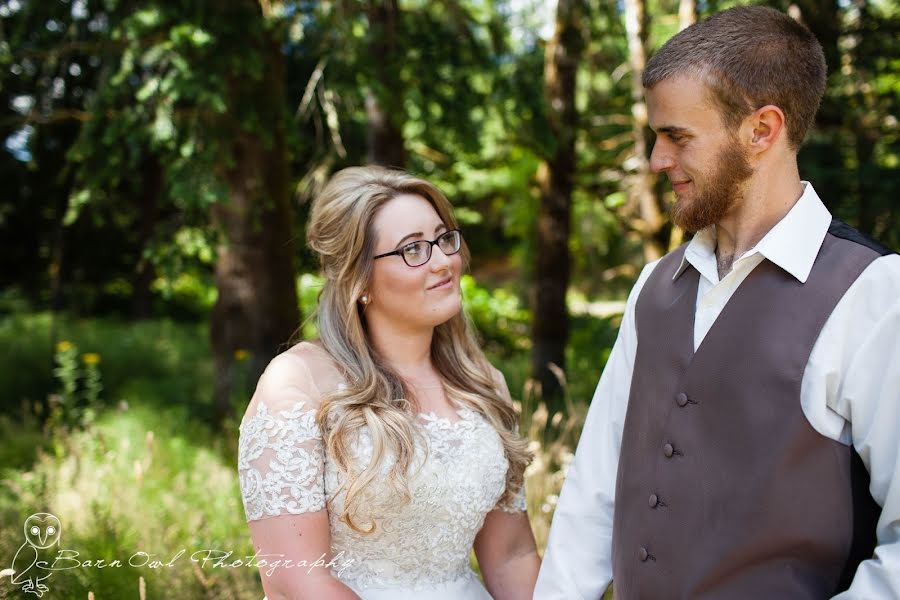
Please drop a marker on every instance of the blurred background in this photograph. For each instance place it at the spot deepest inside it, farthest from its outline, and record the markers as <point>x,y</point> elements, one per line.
<point>158,162</point>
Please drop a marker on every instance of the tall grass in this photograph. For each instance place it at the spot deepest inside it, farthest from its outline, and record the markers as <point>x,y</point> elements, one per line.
<point>159,362</point>
<point>147,475</point>
<point>138,480</point>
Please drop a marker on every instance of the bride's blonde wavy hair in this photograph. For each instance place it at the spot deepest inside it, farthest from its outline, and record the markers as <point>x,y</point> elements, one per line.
<point>341,231</point>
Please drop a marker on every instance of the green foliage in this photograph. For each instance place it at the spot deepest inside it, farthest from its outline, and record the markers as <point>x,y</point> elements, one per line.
<point>140,480</point>
<point>309,286</point>
<point>853,156</point>
<point>147,476</point>
<point>22,441</point>
<point>130,113</point>
<point>588,350</point>
<point>183,270</point>
<point>80,385</point>
<point>67,369</point>
<point>156,362</point>
<point>498,317</point>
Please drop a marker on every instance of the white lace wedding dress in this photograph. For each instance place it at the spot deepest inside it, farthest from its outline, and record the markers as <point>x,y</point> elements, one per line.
<point>419,550</point>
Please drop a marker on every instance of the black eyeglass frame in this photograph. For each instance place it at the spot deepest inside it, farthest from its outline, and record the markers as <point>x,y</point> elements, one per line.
<point>431,245</point>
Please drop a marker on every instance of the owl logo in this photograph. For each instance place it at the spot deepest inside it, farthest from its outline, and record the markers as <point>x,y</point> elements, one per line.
<point>41,532</point>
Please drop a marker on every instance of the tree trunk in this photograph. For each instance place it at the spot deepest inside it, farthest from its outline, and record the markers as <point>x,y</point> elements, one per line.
<point>384,99</point>
<point>687,14</point>
<point>257,310</point>
<point>148,206</point>
<point>824,20</point>
<point>643,199</point>
<point>550,330</point>
<point>864,118</point>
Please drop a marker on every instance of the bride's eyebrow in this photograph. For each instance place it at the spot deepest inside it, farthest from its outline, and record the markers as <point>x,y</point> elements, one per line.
<point>418,234</point>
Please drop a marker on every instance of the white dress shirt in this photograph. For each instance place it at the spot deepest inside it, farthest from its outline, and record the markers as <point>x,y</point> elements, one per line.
<point>850,393</point>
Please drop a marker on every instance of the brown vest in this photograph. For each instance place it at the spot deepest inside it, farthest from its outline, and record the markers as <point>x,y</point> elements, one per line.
<point>724,490</point>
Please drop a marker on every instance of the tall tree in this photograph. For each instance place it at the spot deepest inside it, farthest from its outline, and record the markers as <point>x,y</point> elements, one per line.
<point>384,96</point>
<point>687,13</point>
<point>852,152</point>
<point>863,117</point>
<point>257,306</point>
<point>556,181</point>
<point>181,94</point>
<point>643,197</point>
<point>149,202</point>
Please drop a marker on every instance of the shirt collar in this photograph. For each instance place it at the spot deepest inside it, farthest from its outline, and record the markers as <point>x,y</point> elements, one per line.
<point>792,244</point>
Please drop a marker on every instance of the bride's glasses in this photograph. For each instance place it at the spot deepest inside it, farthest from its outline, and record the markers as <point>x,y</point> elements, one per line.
<point>416,254</point>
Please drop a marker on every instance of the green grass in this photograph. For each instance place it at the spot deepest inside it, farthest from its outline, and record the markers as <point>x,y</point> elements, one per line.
<point>140,480</point>
<point>160,363</point>
<point>146,474</point>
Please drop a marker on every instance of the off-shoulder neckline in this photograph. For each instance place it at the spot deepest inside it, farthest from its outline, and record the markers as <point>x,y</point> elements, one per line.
<point>464,414</point>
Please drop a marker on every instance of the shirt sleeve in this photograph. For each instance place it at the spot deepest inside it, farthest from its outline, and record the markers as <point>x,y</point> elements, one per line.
<point>869,397</point>
<point>577,562</point>
<point>281,465</point>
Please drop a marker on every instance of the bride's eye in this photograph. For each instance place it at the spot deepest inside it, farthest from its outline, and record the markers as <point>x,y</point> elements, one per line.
<point>413,251</point>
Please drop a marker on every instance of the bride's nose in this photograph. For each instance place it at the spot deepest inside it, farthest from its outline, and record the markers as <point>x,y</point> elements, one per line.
<point>439,261</point>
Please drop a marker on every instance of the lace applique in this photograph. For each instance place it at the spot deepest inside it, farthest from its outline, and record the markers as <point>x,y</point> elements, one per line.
<point>427,540</point>
<point>280,462</point>
<point>459,475</point>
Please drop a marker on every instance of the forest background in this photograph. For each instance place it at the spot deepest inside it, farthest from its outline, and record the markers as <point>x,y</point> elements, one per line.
<point>158,162</point>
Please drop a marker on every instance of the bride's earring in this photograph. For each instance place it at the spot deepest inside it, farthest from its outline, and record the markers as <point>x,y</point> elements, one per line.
<point>364,299</point>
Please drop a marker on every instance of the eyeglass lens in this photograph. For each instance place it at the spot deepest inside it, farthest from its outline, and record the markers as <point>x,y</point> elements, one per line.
<point>419,253</point>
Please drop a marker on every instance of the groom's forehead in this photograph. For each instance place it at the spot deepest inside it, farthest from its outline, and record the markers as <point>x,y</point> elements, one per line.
<point>680,102</point>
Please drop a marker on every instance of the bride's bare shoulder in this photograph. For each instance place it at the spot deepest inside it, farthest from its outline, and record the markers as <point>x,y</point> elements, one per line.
<point>305,366</point>
<point>301,376</point>
<point>312,356</point>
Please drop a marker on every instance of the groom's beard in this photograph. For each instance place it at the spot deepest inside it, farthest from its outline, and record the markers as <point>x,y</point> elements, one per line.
<point>717,193</point>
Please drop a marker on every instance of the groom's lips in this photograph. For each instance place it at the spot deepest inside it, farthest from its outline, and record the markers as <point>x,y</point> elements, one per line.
<point>680,186</point>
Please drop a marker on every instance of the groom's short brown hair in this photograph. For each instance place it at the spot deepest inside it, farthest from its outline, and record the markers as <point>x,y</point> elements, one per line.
<point>749,57</point>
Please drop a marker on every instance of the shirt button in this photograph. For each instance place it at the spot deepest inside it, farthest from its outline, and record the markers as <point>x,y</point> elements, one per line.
<point>681,399</point>
<point>653,500</point>
<point>668,450</point>
<point>643,554</point>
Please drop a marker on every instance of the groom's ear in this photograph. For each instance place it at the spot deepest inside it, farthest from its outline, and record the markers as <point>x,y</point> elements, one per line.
<point>765,128</point>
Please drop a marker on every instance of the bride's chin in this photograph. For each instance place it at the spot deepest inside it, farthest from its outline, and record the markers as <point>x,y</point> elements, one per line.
<point>446,313</point>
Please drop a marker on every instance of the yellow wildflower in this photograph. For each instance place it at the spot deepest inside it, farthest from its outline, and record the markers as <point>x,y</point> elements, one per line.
<point>64,346</point>
<point>91,358</point>
<point>241,355</point>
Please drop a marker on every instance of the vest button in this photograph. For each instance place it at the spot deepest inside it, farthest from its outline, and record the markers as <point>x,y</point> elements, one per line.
<point>668,450</point>
<point>653,501</point>
<point>643,554</point>
<point>681,399</point>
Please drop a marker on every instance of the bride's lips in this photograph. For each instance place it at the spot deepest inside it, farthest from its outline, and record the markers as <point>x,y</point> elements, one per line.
<point>445,283</point>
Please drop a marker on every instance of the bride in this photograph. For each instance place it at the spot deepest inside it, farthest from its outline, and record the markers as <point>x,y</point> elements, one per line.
<point>377,457</point>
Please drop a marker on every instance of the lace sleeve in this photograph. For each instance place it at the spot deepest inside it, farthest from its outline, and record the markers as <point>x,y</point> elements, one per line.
<point>280,454</point>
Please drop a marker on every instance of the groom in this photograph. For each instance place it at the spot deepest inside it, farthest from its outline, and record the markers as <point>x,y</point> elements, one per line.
<point>744,439</point>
